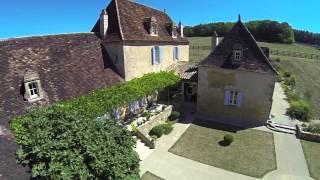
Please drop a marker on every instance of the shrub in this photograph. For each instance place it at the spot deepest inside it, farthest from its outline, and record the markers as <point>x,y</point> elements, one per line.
<point>313,128</point>
<point>286,74</point>
<point>278,60</point>
<point>174,115</point>
<point>228,139</point>
<point>156,131</point>
<point>57,144</point>
<point>167,128</point>
<point>290,81</point>
<point>300,110</point>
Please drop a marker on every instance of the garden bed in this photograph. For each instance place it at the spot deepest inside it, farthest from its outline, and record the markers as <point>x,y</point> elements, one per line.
<point>305,135</point>
<point>144,129</point>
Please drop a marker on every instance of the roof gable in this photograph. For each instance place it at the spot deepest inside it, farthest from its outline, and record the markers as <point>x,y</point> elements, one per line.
<point>127,19</point>
<point>253,59</point>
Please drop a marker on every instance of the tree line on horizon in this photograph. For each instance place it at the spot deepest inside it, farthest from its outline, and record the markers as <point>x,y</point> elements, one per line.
<point>264,30</point>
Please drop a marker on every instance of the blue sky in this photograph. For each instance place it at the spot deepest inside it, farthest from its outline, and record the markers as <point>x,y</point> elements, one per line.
<point>37,17</point>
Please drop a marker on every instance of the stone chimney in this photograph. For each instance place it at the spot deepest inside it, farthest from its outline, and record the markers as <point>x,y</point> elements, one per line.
<point>103,23</point>
<point>181,29</point>
<point>214,40</point>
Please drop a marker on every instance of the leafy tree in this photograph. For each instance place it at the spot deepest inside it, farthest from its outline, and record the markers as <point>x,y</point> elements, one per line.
<point>57,144</point>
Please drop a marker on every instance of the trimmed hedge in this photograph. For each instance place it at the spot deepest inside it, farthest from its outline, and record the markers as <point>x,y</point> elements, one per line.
<point>64,141</point>
<point>157,131</point>
<point>161,129</point>
<point>174,116</point>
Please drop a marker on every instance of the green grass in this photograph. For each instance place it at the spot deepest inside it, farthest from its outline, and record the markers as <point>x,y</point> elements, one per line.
<point>206,41</point>
<point>307,73</point>
<point>311,153</point>
<point>252,152</point>
<point>149,176</point>
<point>301,48</point>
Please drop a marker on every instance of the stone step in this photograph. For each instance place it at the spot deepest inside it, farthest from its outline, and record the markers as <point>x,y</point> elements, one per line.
<point>281,125</point>
<point>282,130</point>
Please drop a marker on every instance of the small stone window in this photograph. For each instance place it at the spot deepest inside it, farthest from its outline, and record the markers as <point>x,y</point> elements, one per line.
<point>32,85</point>
<point>174,32</point>
<point>153,26</point>
<point>237,53</point>
<point>33,90</point>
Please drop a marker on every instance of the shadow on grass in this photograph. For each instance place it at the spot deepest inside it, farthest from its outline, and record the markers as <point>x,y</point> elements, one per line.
<point>218,126</point>
<point>223,143</point>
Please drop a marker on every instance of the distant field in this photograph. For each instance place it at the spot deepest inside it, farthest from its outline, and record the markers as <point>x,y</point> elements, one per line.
<point>206,41</point>
<point>306,71</point>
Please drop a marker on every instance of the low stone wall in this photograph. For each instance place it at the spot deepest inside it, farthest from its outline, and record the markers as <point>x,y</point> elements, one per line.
<point>307,135</point>
<point>143,131</point>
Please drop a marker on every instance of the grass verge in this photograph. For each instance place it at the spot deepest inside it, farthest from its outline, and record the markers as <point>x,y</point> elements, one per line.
<point>149,176</point>
<point>311,153</point>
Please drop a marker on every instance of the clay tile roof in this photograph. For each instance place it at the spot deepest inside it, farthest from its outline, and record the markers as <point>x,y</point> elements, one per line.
<point>68,65</point>
<point>254,58</point>
<point>186,70</point>
<point>127,23</point>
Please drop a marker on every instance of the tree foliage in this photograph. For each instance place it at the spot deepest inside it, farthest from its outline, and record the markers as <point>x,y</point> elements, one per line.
<point>64,141</point>
<point>266,30</point>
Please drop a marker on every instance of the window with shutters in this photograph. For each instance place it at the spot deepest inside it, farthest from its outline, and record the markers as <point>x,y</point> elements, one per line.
<point>233,97</point>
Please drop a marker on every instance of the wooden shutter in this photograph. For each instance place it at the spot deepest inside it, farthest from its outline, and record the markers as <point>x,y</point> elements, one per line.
<point>153,55</point>
<point>178,53</point>
<point>240,99</point>
<point>160,54</point>
<point>226,96</point>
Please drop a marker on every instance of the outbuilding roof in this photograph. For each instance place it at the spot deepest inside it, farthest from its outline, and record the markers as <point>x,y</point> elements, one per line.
<point>253,59</point>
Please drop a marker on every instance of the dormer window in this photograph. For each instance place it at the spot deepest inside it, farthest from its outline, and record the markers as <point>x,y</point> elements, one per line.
<point>33,90</point>
<point>153,26</point>
<point>32,85</point>
<point>237,53</point>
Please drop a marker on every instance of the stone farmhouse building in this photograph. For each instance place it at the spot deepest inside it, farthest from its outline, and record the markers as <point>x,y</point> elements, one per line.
<point>236,81</point>
<point>128,41</point>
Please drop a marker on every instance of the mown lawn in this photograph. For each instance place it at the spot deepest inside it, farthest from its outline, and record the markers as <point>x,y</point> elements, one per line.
<point>149,176</point>
<point>311,153</point>
<point>307,74</point>
<point>252,153</point>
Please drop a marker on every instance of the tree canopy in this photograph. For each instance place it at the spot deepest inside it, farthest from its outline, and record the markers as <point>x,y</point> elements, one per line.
<point>266,30</point>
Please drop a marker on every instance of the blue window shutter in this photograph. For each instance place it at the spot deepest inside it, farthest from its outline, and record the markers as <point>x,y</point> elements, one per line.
<point>174,54</point>
<point>160,54</point>
<point>153,55</point>
<point>240,99</point>
<point>178,53</point>
<point>226,97</point>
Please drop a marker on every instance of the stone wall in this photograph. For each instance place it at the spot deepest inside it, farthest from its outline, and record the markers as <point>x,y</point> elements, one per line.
<point>115,51</point>
<point>138,59</point>
<point>143,131</point>
<point>307,135</point>
<point>257,89</point>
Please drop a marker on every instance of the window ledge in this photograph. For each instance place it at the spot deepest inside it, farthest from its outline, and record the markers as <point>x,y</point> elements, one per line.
<point>31,100</point>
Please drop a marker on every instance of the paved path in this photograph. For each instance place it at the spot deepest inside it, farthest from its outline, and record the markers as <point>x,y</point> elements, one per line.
<point>280,106</point>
